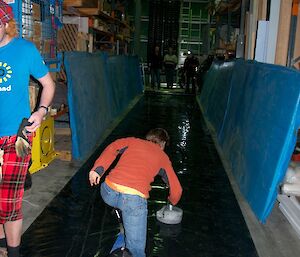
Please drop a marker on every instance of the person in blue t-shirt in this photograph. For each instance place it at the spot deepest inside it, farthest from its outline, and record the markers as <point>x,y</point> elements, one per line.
<point>18,60</point>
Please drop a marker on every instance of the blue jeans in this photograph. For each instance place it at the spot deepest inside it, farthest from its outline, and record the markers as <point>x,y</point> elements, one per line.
<point>134,213</point>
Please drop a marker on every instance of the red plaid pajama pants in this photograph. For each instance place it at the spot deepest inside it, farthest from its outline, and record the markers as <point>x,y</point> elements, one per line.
<point>14,171</point>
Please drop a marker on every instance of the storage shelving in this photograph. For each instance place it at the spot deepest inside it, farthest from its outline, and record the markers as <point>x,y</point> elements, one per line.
<point>194,28</point>
<point>106,32</point>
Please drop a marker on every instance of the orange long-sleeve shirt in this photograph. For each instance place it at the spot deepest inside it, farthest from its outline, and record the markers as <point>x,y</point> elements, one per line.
<point>139,164</point>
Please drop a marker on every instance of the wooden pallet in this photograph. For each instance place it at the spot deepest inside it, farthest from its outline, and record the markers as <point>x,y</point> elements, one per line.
<point>64,155</point>
<point>67,41</point>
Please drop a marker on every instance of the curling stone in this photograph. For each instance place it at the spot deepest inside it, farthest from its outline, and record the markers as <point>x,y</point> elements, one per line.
<point>169,214</point>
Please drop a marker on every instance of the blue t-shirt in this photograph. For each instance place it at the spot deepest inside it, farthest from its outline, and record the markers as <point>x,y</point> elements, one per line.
<point>18,60</point>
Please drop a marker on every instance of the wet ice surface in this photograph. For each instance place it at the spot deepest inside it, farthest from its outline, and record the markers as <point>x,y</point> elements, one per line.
<point>78,223</point>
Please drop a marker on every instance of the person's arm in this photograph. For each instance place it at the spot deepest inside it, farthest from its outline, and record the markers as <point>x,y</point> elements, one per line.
<point>175,60</point>
<point>174,185</point>
<point>106,159</point>
<point>47,95</point>
<point>164,61</point>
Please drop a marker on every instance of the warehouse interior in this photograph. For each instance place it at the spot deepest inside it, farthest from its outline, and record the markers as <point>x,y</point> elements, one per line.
<point>230,103</point>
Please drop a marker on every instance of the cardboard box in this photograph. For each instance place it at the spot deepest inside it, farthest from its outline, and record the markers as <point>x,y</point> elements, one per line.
<point>82,42</point>
<point>37,29</point>
<point>81,3</point>
<point>60,36</point>
<point>37,42</point>
<point>33,94</point>
<point>47,46</point>
<point>36,12</point>
<point>64,155</point>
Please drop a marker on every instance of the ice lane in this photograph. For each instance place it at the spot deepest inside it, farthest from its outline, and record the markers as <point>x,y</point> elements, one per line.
<point>78,223</point>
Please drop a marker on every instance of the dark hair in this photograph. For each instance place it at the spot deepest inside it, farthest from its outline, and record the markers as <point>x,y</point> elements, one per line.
<point>158,135</point>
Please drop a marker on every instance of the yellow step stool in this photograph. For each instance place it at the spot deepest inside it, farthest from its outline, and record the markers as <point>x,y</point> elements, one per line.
<point>43,146</point>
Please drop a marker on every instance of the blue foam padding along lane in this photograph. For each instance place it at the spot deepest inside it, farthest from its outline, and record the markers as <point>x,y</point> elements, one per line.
<point>100,88</point>
<point>253,109</point>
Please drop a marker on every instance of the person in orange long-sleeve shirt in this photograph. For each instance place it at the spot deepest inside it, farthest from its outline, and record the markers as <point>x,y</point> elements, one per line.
<point>127,185</point>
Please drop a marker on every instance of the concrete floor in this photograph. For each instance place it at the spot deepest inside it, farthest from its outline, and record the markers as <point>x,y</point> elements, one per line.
<point>276,238</point>
<point>48,182</point>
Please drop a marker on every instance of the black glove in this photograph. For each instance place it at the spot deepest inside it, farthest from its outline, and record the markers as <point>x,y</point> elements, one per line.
<point>22,144</point>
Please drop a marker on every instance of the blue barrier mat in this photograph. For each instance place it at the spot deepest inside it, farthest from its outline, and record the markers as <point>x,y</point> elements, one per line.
<point>78,223</point>
<point>253,108</point>
<point>100,88</point>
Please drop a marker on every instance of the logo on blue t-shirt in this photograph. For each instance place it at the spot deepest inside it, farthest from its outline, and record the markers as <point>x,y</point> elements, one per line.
<point>5,76</point>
